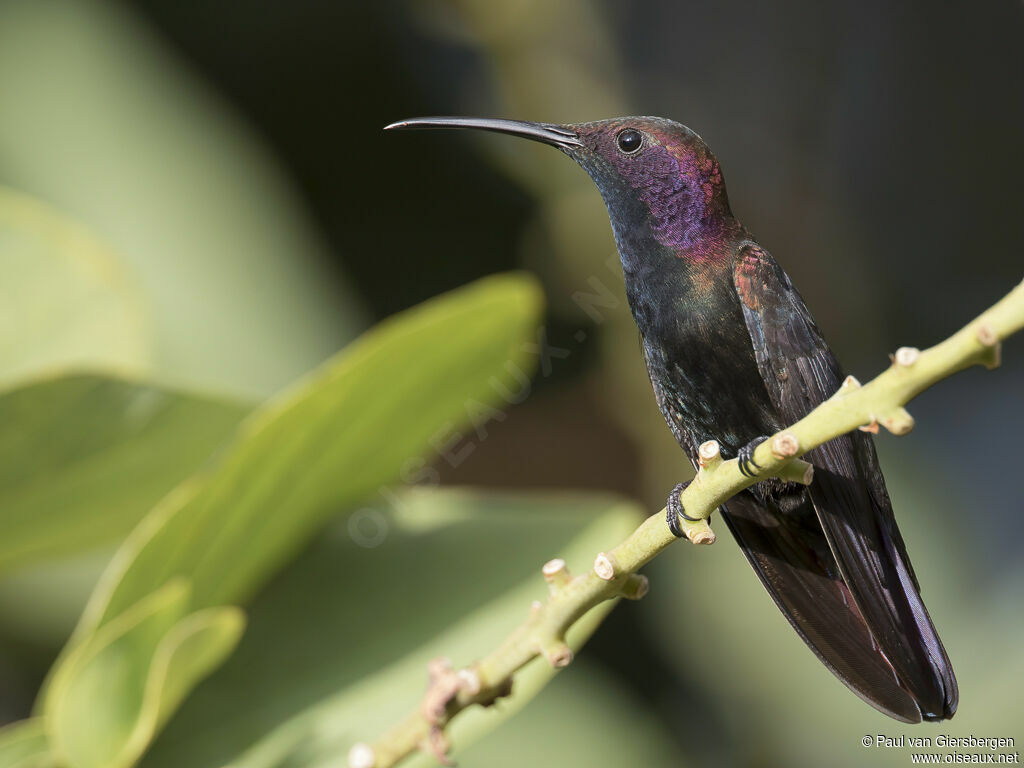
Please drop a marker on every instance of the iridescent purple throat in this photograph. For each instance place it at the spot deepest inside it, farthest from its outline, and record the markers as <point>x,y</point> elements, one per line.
<point>682,198</point>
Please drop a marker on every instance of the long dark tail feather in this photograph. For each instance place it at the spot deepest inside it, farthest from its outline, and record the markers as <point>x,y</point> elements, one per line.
<point>795,566</point>
<point>858,609</point>
<point>868,549</point>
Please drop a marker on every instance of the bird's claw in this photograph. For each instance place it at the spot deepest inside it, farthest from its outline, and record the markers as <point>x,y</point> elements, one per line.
<point>745,455</point>
<point>674,510</point>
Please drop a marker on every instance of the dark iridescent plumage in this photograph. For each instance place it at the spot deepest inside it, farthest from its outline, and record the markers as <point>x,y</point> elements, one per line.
<point>733,354</point>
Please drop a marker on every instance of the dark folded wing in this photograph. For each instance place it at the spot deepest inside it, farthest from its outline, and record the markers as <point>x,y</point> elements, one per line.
<point>848,495</point>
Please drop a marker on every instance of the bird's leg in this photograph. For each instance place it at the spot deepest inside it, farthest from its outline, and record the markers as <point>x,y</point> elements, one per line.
<point>749,467</point>
<point>674,510</point>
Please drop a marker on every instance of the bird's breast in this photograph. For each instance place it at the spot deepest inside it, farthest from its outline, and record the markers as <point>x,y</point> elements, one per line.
<point>701,363</point>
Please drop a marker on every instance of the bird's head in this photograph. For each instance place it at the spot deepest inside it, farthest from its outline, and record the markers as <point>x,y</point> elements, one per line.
<point>656,176</point>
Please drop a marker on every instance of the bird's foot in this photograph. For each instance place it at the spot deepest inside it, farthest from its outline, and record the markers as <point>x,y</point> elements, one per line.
<point>674,511</point>
<point>749,467</point>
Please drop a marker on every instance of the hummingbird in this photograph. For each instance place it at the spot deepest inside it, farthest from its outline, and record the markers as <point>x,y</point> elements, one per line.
<point>734,355</point>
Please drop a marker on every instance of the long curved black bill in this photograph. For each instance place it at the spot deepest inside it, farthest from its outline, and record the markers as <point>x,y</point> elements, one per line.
<point>547,133</point>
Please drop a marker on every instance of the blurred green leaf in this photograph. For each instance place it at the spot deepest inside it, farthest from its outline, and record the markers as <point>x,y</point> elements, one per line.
<point>333,438</point>
<point>41,602</point>
<point>64,299</point>
<point>336,436</point>
<point>103,120</point>
<point>143,664</point>
<point>24,745</point>
<point>83,458</point>
<point>341,639</point>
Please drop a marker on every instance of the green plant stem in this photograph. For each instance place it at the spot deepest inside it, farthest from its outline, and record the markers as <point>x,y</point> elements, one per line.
<point>879,402</point>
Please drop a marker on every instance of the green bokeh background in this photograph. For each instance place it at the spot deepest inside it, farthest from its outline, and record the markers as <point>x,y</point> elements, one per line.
<point>235,215</point>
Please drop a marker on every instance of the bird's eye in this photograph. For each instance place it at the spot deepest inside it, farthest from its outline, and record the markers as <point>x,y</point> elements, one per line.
<point>629,140</point>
